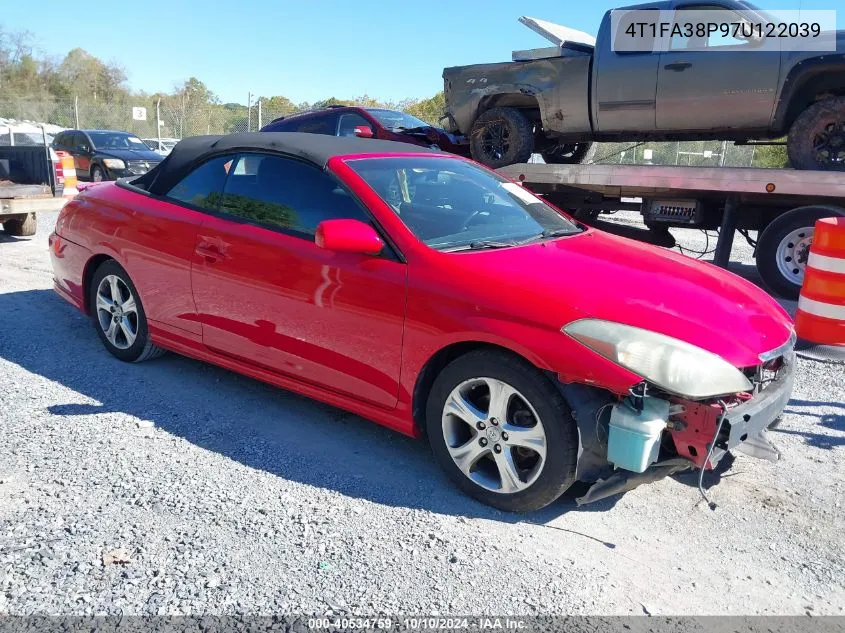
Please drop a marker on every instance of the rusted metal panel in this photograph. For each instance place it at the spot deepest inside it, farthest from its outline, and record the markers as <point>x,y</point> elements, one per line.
<point>559,84</point>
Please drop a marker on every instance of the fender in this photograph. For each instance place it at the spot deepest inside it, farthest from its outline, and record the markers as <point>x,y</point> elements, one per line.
<point>801,77</point>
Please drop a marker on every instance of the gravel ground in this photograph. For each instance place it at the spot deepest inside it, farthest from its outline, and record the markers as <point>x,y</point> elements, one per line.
<point>176,487</point>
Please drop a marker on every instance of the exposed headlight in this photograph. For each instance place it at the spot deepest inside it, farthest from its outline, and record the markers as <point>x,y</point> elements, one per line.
<point>666,362</point>
<point>114,163</point>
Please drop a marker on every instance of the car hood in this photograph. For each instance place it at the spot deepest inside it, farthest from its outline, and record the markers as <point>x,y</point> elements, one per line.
<point>130,154</point>
<point>603,276</point>
<point>434,135</point>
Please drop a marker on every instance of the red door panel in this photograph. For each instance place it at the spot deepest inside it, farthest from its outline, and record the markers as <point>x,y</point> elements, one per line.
<point>330,319</point>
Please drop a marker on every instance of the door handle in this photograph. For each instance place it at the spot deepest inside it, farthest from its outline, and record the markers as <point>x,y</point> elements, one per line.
<point>209,253</point>
<point>678,66</point>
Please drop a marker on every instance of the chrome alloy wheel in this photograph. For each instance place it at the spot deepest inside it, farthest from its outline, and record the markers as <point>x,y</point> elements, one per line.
<point>117,312</point>
<point>494,435</point>
<point>792,254</point>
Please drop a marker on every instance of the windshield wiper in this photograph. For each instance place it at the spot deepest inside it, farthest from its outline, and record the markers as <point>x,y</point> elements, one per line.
<point>480,244</point>
<point>558,232</point>
<point>491,244</point>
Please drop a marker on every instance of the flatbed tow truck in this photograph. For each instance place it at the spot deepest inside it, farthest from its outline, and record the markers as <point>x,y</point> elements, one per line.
<point>781,204</point>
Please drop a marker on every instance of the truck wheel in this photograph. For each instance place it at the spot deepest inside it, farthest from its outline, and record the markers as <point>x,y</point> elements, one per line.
<point>21,227</point>
<point>502,431</point>
<point>783,248</point>
<point>570,153</point>
<point>97,174</point>
<point>501,136</point>
<point>817,137</point>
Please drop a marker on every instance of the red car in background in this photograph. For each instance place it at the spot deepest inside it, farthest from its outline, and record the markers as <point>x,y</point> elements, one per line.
<point>379,123</point>
<point>425,292</point>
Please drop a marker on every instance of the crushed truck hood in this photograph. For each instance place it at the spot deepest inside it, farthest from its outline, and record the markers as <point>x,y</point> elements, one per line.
<point>599,275</point>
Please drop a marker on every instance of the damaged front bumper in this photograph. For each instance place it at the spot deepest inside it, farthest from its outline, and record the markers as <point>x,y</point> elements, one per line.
<point>744,430</point>
<point>745,424</point>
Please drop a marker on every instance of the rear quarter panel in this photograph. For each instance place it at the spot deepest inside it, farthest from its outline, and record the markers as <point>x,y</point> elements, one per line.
<point>560,84</point>
<point>152,239</point>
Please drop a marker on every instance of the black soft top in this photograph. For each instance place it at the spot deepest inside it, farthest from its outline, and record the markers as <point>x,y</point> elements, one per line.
<point>315,148</point>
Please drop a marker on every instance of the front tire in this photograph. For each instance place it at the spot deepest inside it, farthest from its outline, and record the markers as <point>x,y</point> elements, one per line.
<point>501,136</point>
<point>118,315</point>
<point>783,248</point>
<point>817,137</point>
<point>501,431</point>
<point>97,174</point>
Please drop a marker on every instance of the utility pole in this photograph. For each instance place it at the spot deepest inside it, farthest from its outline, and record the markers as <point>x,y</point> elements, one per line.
<point>76,110</point>
<point>259,114</point>
<point>158,122</point>
<point>249,112</point>
<point>724,153</point>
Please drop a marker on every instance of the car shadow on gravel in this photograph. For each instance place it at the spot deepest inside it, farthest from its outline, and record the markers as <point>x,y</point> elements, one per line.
<point>5,238</point>
<point>255,424</point>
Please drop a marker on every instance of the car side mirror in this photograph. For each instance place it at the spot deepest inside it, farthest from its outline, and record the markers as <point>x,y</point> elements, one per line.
<point>363,131</point>
<point>348,236</point>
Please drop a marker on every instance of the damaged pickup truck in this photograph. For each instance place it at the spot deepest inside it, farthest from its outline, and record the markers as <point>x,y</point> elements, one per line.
<point>557,101</point>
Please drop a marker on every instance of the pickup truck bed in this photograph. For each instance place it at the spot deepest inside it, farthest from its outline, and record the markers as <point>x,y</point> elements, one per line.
<point>29,184</point>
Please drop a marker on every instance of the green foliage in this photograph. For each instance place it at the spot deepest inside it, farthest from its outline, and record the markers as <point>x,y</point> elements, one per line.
<point>771,156</point>
<point>271,213</point>
<point>81,85</point>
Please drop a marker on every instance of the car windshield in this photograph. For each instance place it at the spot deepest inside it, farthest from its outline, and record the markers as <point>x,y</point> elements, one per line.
<point>452,204</point>
<point>116,140</point>
<point>397,120</point>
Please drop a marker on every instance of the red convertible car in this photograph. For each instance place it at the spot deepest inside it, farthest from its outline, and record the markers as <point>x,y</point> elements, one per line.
<point>423,291</point>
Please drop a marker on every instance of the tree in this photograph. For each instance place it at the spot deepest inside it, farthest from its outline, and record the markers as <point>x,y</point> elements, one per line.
<point>85,75</point>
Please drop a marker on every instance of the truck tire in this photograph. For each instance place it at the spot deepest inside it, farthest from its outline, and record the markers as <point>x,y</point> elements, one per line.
<point>817,137</point>
<point>783,248</point>
<point>569,154</point>
<point>501,136</point>
<point>21,227</point>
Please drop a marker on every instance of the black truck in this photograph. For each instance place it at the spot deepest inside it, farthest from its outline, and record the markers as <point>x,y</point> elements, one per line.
<point>558,100</point>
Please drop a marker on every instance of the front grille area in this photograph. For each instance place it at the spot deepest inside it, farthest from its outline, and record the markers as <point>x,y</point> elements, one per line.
<point>764,374</point>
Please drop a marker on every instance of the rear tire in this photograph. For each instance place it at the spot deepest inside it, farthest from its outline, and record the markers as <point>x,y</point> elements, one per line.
<point>118,315</point>
<point>501,136</point>
<point>531,425</point>
<point>21,227</point>
<point>817,137</point>
<point>569,153</point>
<point>783,247</point>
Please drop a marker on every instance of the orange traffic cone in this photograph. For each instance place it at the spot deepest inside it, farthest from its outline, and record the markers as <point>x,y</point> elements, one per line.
<point>820,317</point>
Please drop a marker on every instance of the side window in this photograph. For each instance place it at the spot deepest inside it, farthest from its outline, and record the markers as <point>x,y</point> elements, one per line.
<point>349,121</point>
<point>690,40</point>
<point>204,185</point>
<point>80,142</point>
<point>287,194</point>
<point>624,43</point>
<point>323,124</point>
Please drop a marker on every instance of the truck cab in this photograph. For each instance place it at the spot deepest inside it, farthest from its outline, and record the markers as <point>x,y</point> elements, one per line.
<point>663,83</point>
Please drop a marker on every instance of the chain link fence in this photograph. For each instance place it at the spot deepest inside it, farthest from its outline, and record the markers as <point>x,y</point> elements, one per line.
<point>171,117</point>
<point>178,116</point>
